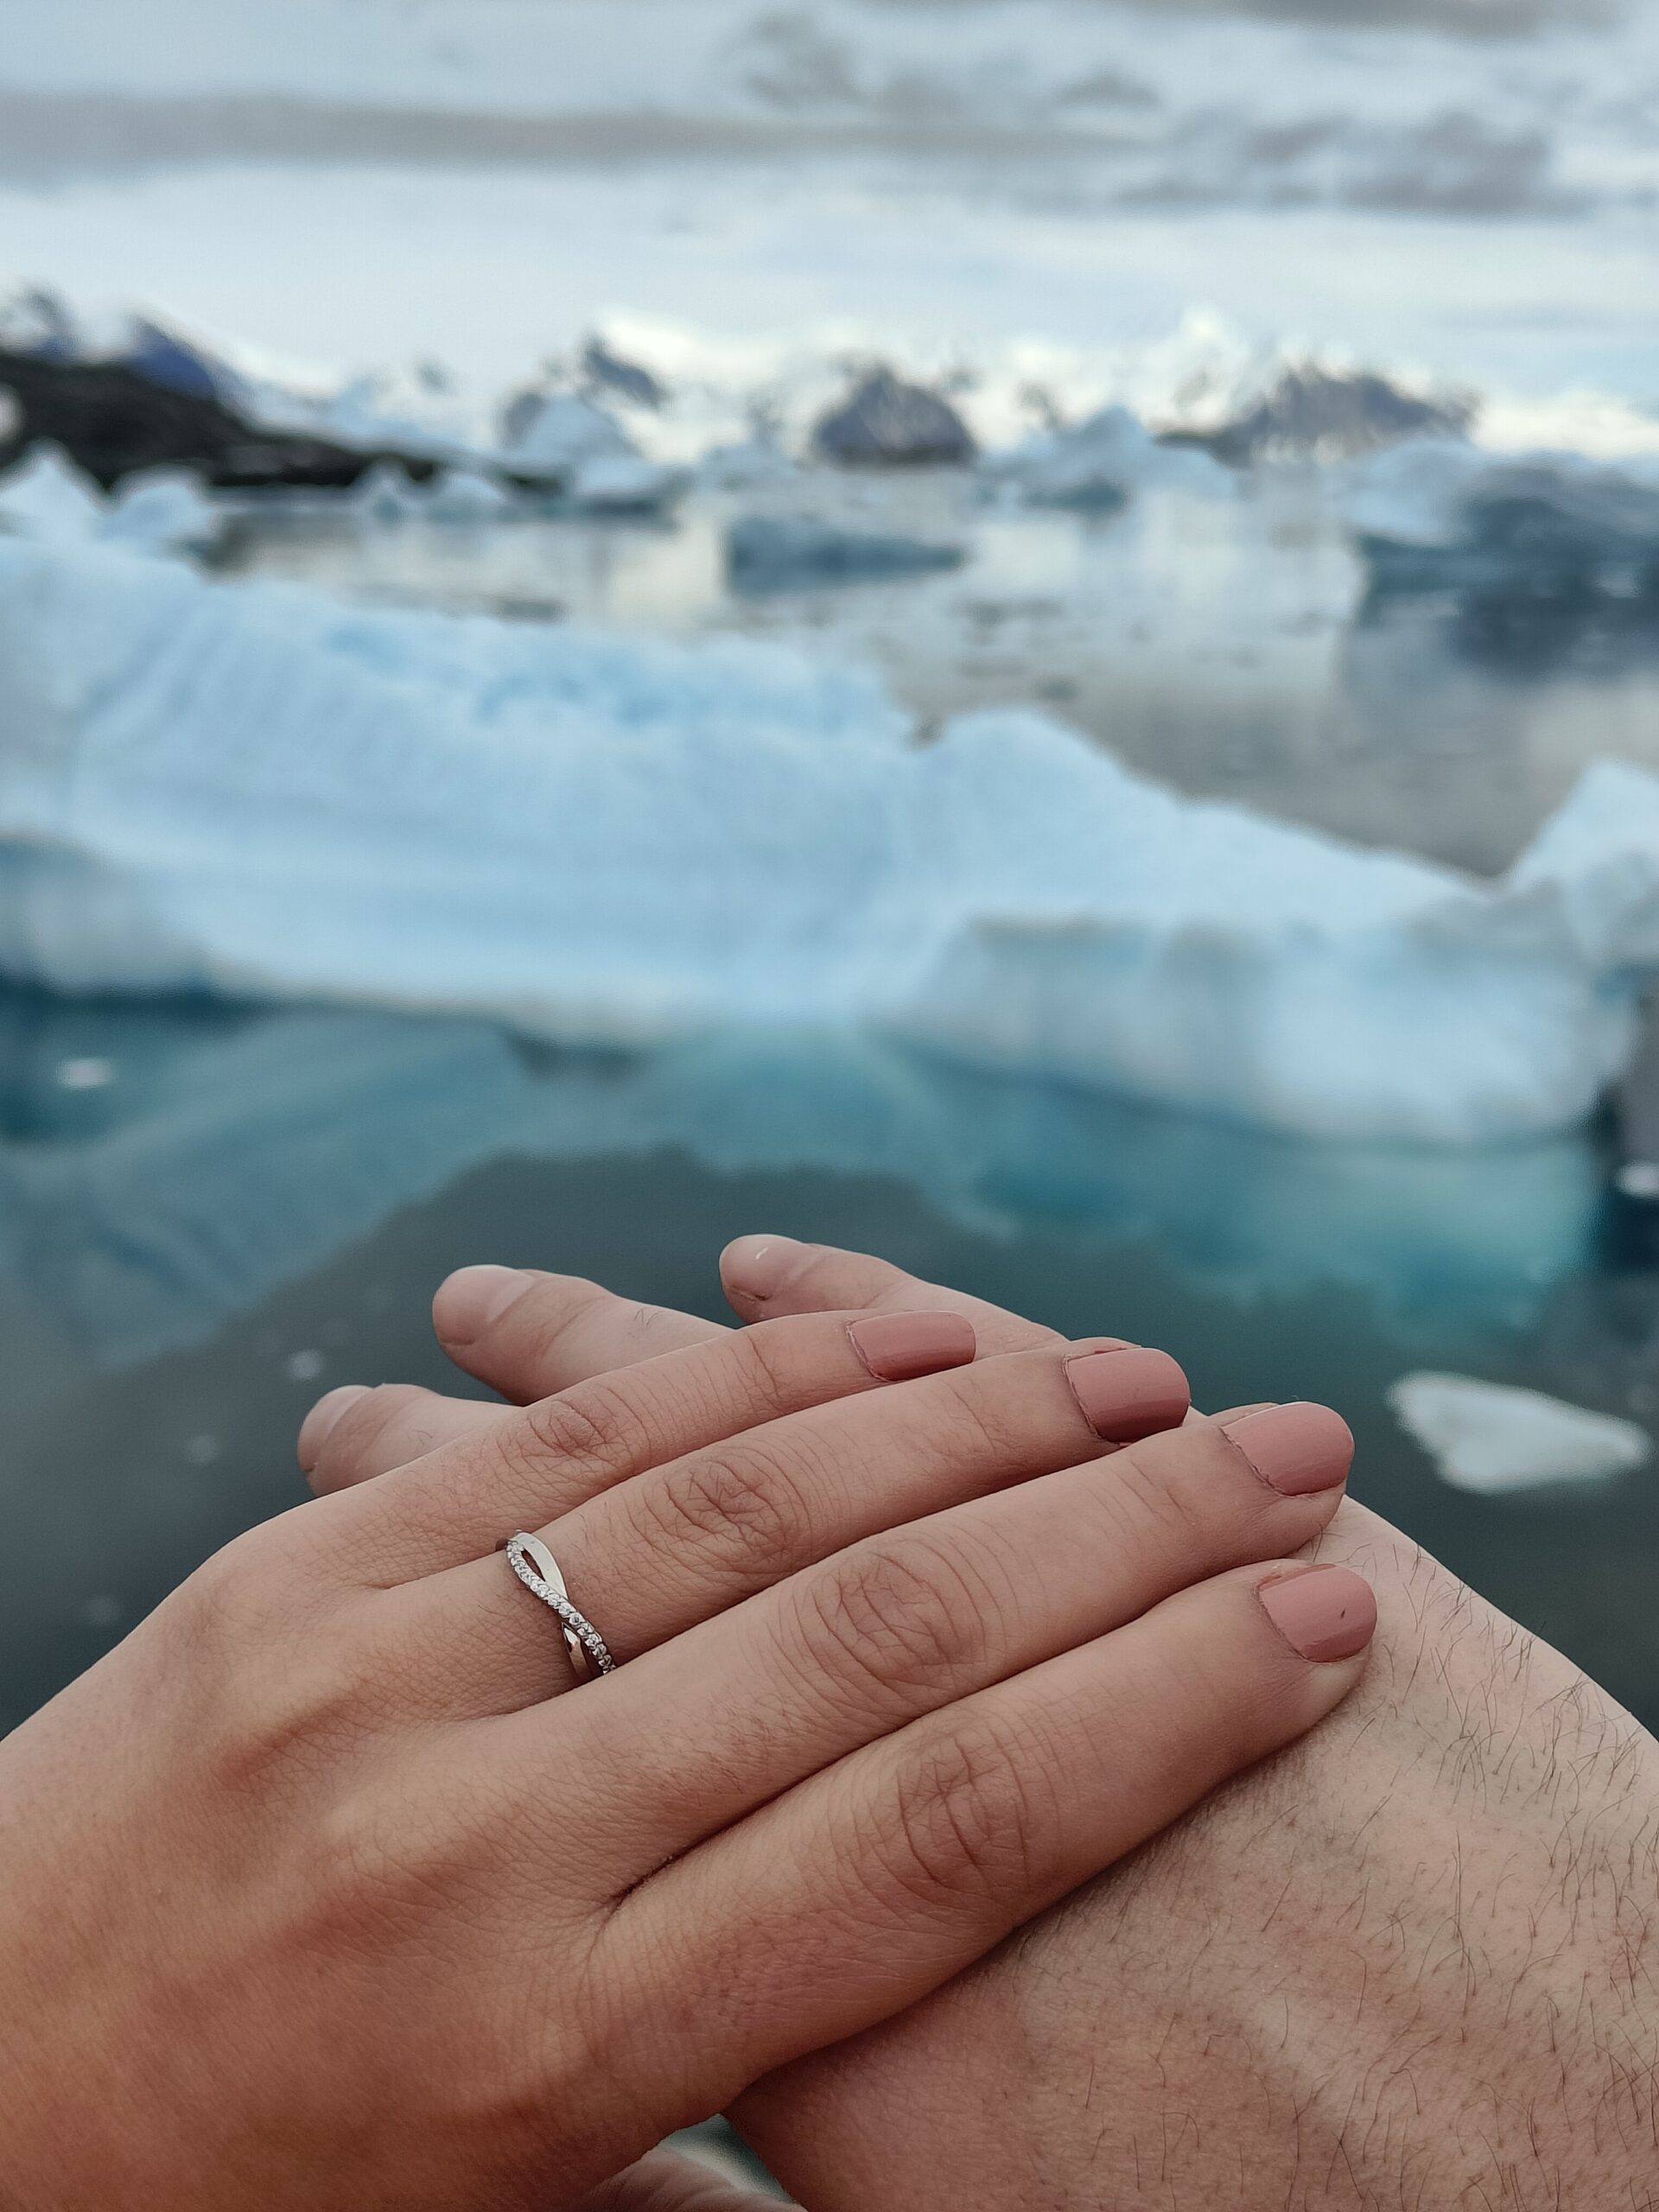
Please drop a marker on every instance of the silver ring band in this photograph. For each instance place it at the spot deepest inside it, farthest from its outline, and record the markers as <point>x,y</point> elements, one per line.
<point>537,1569</point>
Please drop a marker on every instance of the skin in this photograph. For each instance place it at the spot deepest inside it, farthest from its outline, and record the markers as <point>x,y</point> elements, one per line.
<point>330,1887</point>
<point>1408,1965</point>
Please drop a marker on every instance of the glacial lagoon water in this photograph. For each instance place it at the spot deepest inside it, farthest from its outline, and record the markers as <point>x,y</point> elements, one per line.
<point>209,1214</point>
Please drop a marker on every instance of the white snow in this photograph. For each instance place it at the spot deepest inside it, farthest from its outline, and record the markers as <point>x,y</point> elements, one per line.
<point>1492,1440</point>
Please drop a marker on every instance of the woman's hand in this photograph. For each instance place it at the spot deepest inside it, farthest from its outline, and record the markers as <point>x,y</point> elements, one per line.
<point>316,1891</point>
<point>1411,1961</point>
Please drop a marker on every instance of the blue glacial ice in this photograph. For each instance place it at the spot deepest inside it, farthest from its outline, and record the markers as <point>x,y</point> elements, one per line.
<point>256,789</point>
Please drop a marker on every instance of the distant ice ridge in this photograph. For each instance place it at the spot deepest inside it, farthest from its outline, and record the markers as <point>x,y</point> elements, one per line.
<point>256,789</point>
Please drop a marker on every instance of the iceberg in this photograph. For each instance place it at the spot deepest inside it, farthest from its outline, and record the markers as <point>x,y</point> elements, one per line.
<point>256,789</point>
<point>157,510</point>
<point>1493,1440</point>
<point>1440,510</point>
<point>1097,465</point>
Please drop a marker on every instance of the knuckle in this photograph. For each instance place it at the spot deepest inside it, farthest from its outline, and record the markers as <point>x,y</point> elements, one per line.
<point>1158,1505</point>
<point>272,1718</point>
<point>587,1429</point>
<point>737,1508</point>
<point>900,1613</point>
<point>961,1818</point>
<point>389,1406</point>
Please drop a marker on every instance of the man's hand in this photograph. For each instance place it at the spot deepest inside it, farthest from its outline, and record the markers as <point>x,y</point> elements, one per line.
<point>1413,1963</point>
<point>1410,1966</point>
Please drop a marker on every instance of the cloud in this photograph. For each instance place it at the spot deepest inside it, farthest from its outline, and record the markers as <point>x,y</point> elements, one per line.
<point>1458,18</point>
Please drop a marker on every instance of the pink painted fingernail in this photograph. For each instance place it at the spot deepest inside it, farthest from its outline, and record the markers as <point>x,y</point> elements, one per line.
<point>1325,1614</point>
<point>900,1347</point>
<point>1130,1393</point>
<point>758,1266</point>
<point>320,1422</point>
<point>1297,1449</point>
<point>473,1298</point>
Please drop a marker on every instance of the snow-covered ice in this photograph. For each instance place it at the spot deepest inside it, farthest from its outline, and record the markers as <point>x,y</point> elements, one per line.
<point>258,789</point>
<point>1492,1439</point>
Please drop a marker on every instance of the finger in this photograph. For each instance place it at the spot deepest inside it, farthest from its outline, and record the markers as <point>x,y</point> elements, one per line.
<point>356,1433</point>
<point>529,1335</point>
<point>461,1503</point>
<point>911,1620</point>
<point>648,1560</point>
<point>862,1891</point>
<point>767,1276</point>
<point>667,2182</point>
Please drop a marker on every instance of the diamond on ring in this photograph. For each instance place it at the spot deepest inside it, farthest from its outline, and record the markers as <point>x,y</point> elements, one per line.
<point>537,1569</point>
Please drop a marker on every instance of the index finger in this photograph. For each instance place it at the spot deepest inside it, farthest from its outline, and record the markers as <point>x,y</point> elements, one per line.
<point>764,1276</point>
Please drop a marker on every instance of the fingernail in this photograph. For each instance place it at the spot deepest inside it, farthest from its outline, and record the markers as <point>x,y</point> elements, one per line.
<point>473,1297</point>
<point>1296,1449</point>
<point>1130,1393</point>
<point>320,1422</point>
<point>898,1347</point>
<point>1324,1614</point>
<point>759,1266</point>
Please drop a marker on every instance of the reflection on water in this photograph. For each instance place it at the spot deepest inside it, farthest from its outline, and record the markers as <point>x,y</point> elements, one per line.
<point>207,1215</point>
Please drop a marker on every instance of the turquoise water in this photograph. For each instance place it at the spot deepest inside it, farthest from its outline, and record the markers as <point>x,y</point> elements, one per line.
<point>208,1216</point>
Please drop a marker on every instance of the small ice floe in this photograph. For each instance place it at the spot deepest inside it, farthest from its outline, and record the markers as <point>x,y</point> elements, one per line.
<point>745,466</point>
<point>886,423</point>
<point>1492,1440</point>
<point>626,484</point>
<point>386,492</point>
<point>163,511</point>
<point>157,510</point>
<point>1095,467</point>
<point>1443,510</point>
<point>86,1074</point>
<point>47,498</point>
<point>466,495</point>
<point>767,552</point>
<point>552,433</point>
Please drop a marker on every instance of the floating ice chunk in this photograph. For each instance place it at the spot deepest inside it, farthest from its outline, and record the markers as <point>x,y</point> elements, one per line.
<point>1099,465</point>
<point>779,551</point>
<point>1443,508</point>
<point>260,790</point>
<point>554,433</point>
<point>159,511</point>
<point>626,484</point>
<point>387,494</point>
<point>1492,1440</point>
<point>163,511</point>
<point>745,466</point>
<point>47,497</point>
<point>466,495</point>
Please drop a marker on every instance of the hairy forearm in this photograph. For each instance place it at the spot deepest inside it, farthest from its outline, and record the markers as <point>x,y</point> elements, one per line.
<point>1413,1965</point>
